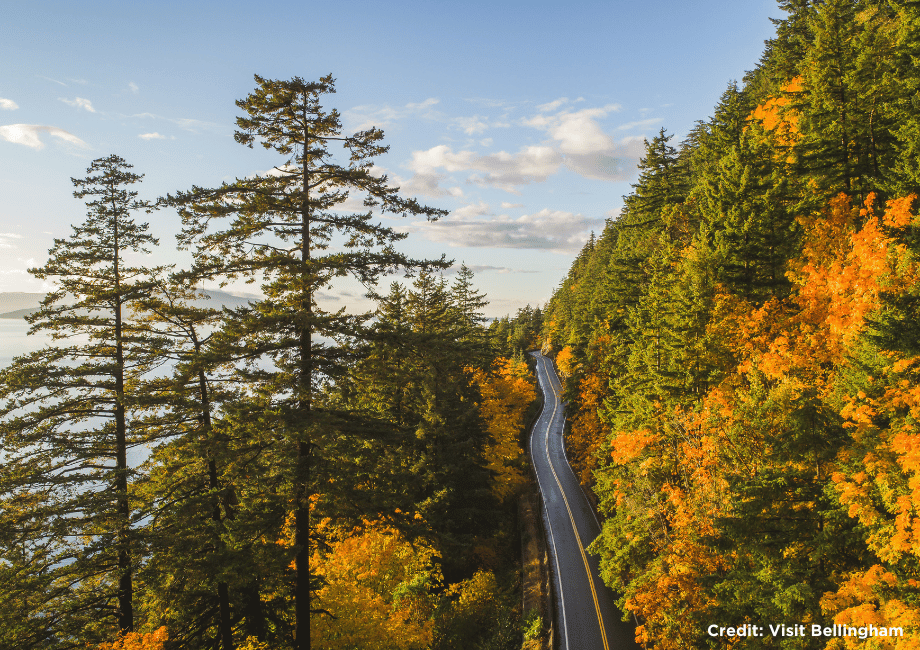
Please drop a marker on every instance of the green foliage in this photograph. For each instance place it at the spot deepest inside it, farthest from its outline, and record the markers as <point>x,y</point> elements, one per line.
<point>417,377</point>
<point>533,625</point>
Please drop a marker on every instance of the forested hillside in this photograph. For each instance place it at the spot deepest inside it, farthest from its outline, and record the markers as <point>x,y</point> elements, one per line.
<point>275,474</point>
<point>741,348</point>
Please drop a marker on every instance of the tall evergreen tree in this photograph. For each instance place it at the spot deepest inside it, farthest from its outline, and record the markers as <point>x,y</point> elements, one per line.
<point>185,577</point>
<point>449,470</point>
<point>744,200</point>
<point>64,421</point>
<point>280,227</point>
<point>468,299</point>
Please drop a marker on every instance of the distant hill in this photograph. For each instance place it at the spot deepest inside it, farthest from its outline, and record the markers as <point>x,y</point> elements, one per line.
<point>14,304</point>
<point>19,313</point>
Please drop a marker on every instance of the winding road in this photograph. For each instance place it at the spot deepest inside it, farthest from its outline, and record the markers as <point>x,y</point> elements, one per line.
<point>587,616</point>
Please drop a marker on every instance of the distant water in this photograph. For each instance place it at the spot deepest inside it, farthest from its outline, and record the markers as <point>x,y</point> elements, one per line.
<point>15,341</point>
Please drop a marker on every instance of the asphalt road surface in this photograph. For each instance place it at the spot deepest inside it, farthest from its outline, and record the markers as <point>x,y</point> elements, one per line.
<point>586,613</point>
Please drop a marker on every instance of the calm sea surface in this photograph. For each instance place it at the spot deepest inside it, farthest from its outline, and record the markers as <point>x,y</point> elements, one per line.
<point>14,340</point>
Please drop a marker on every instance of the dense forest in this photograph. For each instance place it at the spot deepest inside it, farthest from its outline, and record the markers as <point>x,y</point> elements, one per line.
<point>276,475</point>
<point>741,348</point>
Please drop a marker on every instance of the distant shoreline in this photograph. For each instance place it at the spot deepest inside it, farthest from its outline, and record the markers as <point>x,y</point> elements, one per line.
<point>17,304</point>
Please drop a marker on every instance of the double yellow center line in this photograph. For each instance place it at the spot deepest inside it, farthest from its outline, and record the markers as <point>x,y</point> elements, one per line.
<point>581,548</point>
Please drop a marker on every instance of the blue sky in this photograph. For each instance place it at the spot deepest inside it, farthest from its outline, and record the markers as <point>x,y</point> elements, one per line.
<point>524,119</point>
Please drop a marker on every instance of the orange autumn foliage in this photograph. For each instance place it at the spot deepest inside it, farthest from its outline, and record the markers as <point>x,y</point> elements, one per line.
<point>138,641</point>
<point>675,520</point>
<point>587,433</point>
<point>849,261</point>
<point>376,592</point>
<point>857,604</point>
<point>565,361</point>
<point>776,117</point>
<point>673,583</point>
<point>506,395</point>
<point>789,349</point>
<point>841,275</point>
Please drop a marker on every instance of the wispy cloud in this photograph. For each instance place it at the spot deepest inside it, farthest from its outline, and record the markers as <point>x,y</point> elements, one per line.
<point>27,135</point>
<point>554,230</point>
<point>471,125</point>
<point>54,80</point>
<point>652,121</point>
<point>8,104</point>
<point>486,268</point>
<point>79,102</point>
<point>191,125</point>
<point>186,123</point>
<point>152,136</point>
<point>485,101</point>
<point>5,238</point>
<point>364,117</point>
<point>553,105</point>
<point>133,87</point>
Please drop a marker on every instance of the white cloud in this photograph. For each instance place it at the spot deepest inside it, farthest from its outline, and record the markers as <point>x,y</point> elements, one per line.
<point>284,170</point>
<point>191,125</point>
<point>553,105</point>
<point>547,230</point>
<point>367,116</point>
<point>134,87</point>
<point>502,169</point>
<point>8,104</point>
<point>576,140</point>
<point>587,150</point>
<point>510,206</point>
<point>79,102</point>
<point>488,103</point>
<point>471,125</point>
<point>578,132</point>
<point>152,136</point>
<point>630,139</point>
<point>470,211</point>
<point>431,101</point>
<point>27,134</point>
<point>351,205</point>
<point>426,184</point>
